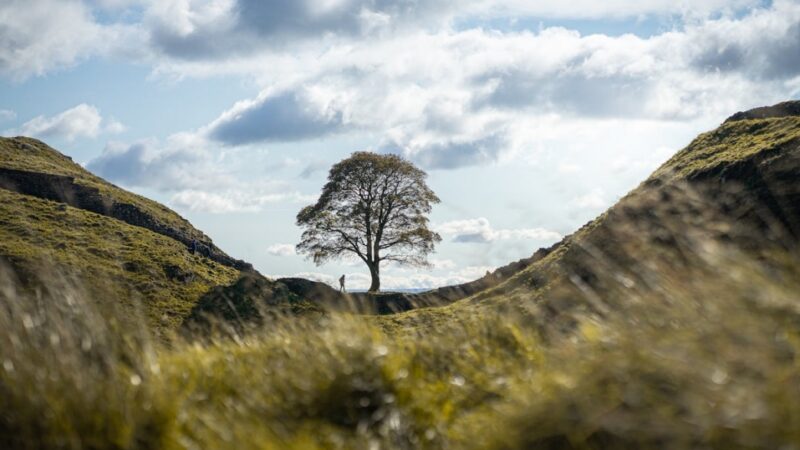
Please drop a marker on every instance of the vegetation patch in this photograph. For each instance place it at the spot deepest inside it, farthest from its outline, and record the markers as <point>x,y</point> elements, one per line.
<point>114,261</point>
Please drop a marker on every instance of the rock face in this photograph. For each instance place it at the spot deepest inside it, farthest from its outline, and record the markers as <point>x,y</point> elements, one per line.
<point>250,300</point>
<point>65,190</point>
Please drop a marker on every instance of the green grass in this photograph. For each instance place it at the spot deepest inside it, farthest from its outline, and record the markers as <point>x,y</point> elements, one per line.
<point>23,153</point>
<point>731,142</point>
<point>143,270</point>
<point>709,363</point>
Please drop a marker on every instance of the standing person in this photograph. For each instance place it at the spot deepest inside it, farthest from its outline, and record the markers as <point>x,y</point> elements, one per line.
<point>341,284</point>
<point>193,247</point>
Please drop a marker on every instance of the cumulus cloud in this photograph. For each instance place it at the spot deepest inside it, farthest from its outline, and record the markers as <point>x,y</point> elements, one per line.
<point>448,153</point>
<point>281,250</point>
<point>192,29</point>
<point>247,198</point>
<point>114,126</point>
<point>448,99</point>
<point>287,116</point>
<point>588,9</point>
<point>480,231</point>
<point>757,47</point>
<point>81,121</point>
<point>196,29</point>
<point>7,114</point>
<point>37,36</point>
<point>186,168</point>
<point>174,165</point>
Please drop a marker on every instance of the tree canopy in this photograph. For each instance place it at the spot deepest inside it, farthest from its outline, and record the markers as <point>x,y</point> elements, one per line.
<point>374,207</point>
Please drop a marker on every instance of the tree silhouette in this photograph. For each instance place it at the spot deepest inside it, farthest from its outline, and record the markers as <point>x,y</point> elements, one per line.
<point>375,207</point>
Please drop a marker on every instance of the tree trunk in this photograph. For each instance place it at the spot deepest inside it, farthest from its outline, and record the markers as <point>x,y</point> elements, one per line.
<point>374,272</point>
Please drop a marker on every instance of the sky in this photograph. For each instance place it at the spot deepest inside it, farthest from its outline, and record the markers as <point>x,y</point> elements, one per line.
<point>530,117</point>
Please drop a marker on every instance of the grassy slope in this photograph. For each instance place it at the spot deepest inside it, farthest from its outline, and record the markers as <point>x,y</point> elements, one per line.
<point>112,259</point>
<point>672,373</point>
<point>598,243</point>
<point>730,143</point>
<point>131,265</point>
<point>23,153</point>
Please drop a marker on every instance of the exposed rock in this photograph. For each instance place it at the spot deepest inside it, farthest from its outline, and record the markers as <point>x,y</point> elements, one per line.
<point>65,190</point>
<point>250,300</point>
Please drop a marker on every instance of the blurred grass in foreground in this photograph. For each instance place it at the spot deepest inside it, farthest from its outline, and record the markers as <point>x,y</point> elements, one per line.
<point>702,363</point>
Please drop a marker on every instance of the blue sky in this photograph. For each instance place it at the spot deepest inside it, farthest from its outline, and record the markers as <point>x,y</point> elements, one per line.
<point>530,117</point>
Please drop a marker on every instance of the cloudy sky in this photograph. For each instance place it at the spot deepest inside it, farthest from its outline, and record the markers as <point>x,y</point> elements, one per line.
<point>530,117</point>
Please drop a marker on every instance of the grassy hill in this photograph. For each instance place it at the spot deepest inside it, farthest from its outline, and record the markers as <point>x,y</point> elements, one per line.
<point>28,154</point>
<point>672,321</point>
<point>31,167</point>
<point>141,270</point>
<point>733,189</point>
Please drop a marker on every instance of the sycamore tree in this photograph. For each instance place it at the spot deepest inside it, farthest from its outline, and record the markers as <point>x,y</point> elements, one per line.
<point>373,207</point>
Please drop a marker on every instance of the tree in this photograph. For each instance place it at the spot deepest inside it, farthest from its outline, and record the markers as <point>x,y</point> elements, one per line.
<point>375,207</point>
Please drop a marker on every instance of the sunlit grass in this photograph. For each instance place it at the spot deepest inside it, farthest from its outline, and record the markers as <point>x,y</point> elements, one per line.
<point>130,264</point>
<point>709,362</point>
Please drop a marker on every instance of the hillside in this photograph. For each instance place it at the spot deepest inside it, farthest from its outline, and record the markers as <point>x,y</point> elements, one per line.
<point>31,167</point>
<point>733,189</point>
<point>58,219</point>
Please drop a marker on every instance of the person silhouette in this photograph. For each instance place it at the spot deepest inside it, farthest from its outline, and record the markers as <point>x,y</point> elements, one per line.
<point>341,284</point>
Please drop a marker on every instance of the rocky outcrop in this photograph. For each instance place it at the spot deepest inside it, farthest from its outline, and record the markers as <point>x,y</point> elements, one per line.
<point>250,300</point>
<point>64,189</point>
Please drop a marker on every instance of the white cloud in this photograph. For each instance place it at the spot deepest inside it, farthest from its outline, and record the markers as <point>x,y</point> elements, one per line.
<point>594,200</point>
<point>113,126</point>
<point>180,163</point>
<point>117,4</point>
<point>613,9</point>
<point>80,121</point>
<point>480,231</point>
<point>449,98</point>
<point>7,114</point>
<point>233,200</point>
<point>443,263</point>
<point>38,36</point>
<point>315,276</point>
<point>281,250</point>
<point>286,116</point>
<point>186,167</point>
<point>196,29</point>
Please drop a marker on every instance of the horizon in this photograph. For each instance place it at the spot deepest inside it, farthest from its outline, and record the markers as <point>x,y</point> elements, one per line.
<point>231,114</point>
